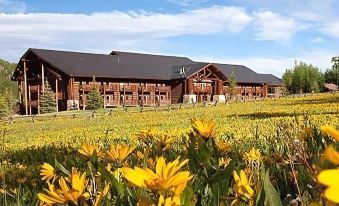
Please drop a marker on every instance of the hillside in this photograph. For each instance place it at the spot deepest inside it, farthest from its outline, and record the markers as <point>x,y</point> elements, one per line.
<point>6,70</point>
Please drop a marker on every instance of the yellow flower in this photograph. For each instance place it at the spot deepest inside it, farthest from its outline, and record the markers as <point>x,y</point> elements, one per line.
<point>224,162</point>
<point>89,149</point>
<point>73,194</point>
<point>331,154</point>
<point>119,153</point>
<point>204,128</point>
<point>47,172</point>
<point>242,186</point>
<point>253,155</point>
<point>165,140</point>
<point>175,201</point>
<point>147,135</point>
<point>143,201</point>
<point>101,195</point>
<point>223,146</point>
<point>166,176</point>
<point>53,196</point>
<point>331,132</point>
<point>330,178</point>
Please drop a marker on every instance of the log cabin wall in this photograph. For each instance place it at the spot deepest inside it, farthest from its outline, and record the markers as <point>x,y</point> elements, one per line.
<point>119,92</point>
<point>177,91</point>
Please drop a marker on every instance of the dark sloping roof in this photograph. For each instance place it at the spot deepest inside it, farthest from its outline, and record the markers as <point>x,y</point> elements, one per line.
<point>126,65</point>
<point>270,78</point>
<point>119,65</point>
<point>242,73</point>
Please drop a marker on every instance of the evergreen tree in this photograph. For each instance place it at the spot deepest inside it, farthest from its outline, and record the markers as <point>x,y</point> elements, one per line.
<point>94,99</point>
<point>6,103</point>
<point>47,100</point>
<point>233,84</point>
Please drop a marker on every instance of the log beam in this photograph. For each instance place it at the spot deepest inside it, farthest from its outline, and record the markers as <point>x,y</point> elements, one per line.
<point>25,85</point>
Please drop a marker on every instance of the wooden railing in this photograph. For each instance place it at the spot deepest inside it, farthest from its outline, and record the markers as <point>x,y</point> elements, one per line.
<point>111,87</point>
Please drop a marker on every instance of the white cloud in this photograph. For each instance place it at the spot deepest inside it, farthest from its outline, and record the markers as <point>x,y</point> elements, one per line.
<point>318,39</point>
<point>187,2</point>
<point>331,29</point>
<point>12,6</point>
<point>275,27</point>
<point>113,30</point>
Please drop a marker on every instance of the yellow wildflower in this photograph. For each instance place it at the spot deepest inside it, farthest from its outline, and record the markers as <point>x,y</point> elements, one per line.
<point>89,149</point>
<point>101,195</point>
<point>53,196</point>
<point>73,194</point>
<point>204,128</point>
<point>223,146</point>
<point>331,132</point>
<point>147,135</point>
<point>165,140</point>
<point>331,154</point>
<point>330,178</point>
<point>144,201</point>
<point>47,172</point>
<point>169,201</point>
<point>119,153</point>
<point>166,176</point>
<point>224,162</point>
<point>252,155</point>
<point>242,186</point>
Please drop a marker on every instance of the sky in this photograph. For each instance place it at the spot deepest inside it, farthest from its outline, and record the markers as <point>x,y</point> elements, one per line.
<point>265,35</point>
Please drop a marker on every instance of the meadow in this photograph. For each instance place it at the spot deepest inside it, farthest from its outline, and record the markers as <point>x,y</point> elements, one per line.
<point>268,152</point>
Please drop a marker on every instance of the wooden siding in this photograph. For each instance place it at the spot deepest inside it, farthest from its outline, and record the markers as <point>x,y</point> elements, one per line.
<point>177,92</point>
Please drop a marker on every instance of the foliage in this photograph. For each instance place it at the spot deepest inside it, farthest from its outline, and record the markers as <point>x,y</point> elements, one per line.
<point>252,153</point>
<point>303,78</point>
<point>94,99</point>
<point>6,71</point>
<point>233,84</point>
<point>47,100</point>
<point>6,103</point>
<point>332,75</point>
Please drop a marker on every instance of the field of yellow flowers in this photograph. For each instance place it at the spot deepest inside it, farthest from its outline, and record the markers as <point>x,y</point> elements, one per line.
<point>272,152</point>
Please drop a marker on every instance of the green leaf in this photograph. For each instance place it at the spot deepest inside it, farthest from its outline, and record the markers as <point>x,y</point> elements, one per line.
<point>272,197</point>
<point>187,196</point>
<point>119,187</point>
<point>59,166</point>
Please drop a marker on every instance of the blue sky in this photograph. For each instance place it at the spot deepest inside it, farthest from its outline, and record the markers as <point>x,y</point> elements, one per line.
<point>265,35</point>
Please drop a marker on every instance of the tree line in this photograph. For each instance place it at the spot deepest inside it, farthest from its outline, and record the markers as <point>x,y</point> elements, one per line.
<point>306,78</point>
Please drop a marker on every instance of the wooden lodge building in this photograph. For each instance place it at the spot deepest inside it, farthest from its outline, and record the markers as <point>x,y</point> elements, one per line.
<point>132,79</point>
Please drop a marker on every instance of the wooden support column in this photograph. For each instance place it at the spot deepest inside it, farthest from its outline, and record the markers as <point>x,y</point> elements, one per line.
<point>29,99</point>
<point>43,78</point>
<point>159,97</point>
<point>56,95</point>
<point>190,86</point>
<point>20,90</point>
<point>124,95</point>
<point>73,89</point>
<point>142,95</point>
<point>219,87</point>
<point>83,100</point>
<point>25,85</point>
<point>38,99</point>
<point>105,95</point>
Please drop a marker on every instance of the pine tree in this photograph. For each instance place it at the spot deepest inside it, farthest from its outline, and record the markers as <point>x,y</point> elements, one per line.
<point>233,84</point>
<point>94,99</point>
<point>6,103</point>
<point>47,100</point>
